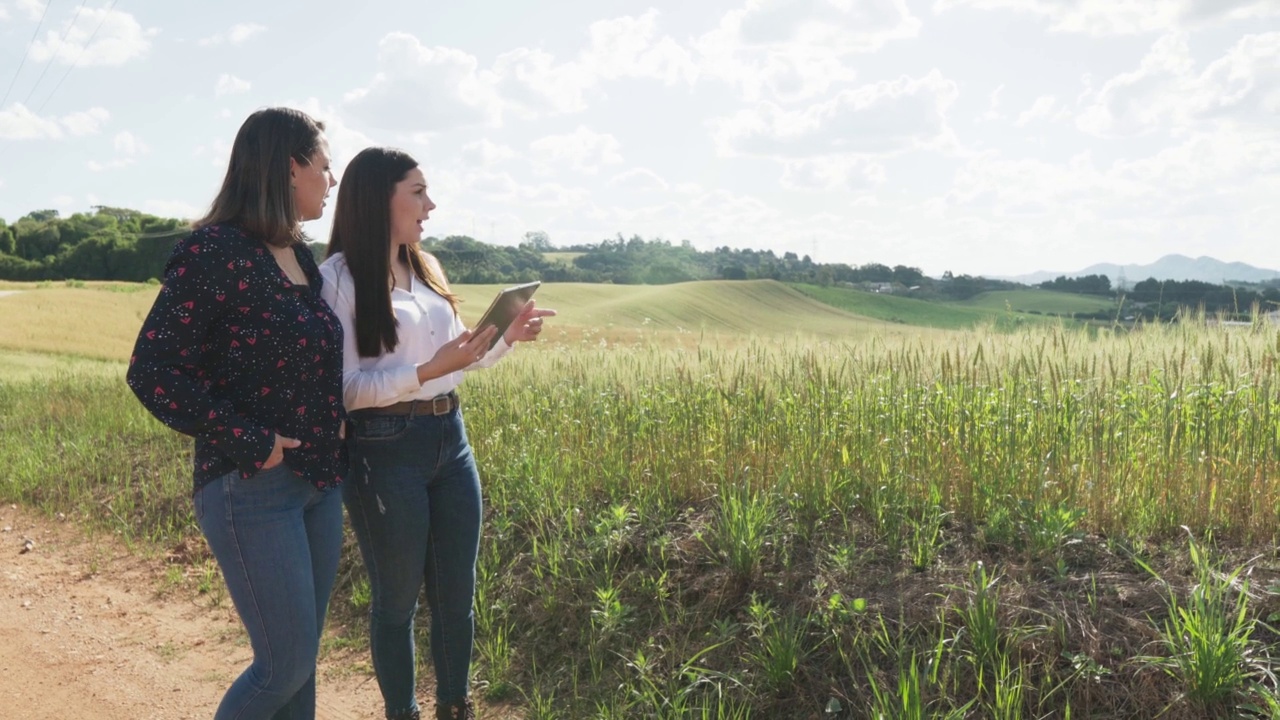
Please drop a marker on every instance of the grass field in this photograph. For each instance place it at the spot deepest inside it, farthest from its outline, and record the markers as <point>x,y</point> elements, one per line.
<point>562,258</point>
<point>99,320</point>
<point>910,311</point>
<point>732,309</point>
<point>1041,301</point>
<point>803,513</point>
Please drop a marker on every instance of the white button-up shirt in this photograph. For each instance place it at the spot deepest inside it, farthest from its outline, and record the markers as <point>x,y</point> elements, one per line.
<point>425,320</point>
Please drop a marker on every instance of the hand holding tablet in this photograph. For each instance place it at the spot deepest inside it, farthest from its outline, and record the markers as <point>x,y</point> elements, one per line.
<point>505,308</point>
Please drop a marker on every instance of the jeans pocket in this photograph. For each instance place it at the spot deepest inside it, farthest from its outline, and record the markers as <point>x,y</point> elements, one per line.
<point>381,427</point>
<point>280,468</point>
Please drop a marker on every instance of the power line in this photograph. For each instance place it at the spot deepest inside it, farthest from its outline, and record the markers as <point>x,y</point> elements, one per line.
<point>53,54</point>
<point>25,54</point>
<point>79,55</point>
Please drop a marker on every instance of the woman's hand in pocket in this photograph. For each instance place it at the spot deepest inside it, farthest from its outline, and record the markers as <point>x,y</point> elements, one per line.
<point>277,453</point>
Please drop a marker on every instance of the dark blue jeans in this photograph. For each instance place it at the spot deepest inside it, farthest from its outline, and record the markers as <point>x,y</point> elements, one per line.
<point>277,539</point>
<point>414,502</point>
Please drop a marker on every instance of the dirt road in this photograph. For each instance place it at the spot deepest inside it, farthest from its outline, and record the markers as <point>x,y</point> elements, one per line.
<point>85,632</point>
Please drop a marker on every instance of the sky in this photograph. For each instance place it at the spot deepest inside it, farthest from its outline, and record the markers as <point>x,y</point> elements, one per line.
<point>989,137</point>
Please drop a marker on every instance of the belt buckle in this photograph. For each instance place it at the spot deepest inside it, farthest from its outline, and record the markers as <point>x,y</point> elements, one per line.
<point>438,402</point>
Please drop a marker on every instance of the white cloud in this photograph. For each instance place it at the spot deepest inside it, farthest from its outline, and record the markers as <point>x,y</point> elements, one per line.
<point>95,166</point>
<point>88,122</point>
<point>449,89</point>
<point>172,209</point>
<point>583,150</point>
<point>344,139</point>
<point>4,15</point>
<point>862,26</point>
<point>832,173</point>
<point>1197,191</point>
<point>1207,162</point>
<point>1118,17</point>
<point>792,50</point>
<point>532,82</point>
<point>230,85</point>
<point>236,35</point>
<point>628,47</point>
<point>993,107</point>
<point>1211,194</point>
<point>127,147</point>
<point>1165,91</point>
<point>218,152</point>
<point>638,180</point>
<point>99,36</point>
<point>484,153</point>
<point>877,119</point>
<point>244,31</point>
<point>713,218</point>
<point>1045,107</point>
<point>126,143</point>
<point>33,9</point>
<point>19,123</point>
<point>502,187</point>
<point>424,89</point>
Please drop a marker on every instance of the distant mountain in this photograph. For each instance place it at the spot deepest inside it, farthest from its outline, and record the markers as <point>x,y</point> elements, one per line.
<point>1169,267</point>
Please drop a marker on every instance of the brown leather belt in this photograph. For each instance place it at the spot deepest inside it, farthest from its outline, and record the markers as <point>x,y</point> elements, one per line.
<point>438,405</point>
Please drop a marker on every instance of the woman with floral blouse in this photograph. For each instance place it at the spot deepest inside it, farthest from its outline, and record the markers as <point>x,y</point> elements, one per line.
<point>240,352</point>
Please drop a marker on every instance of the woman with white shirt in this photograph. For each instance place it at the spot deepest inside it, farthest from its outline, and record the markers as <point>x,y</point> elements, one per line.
<point>414,492</point>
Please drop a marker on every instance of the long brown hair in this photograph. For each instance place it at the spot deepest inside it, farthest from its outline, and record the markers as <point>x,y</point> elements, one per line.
<point>362,233</point>
<point>257,191</point>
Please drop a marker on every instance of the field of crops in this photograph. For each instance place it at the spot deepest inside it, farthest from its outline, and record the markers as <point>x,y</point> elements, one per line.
<point>726,501</point>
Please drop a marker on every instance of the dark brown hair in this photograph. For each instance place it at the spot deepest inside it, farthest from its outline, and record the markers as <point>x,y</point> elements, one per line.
<point>362,233</point>
<point>257,192</point>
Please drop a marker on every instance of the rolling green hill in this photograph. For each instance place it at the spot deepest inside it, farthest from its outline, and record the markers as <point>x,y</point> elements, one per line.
<point>908,311</point>
<point>101,320</point>
<point>751,307</point>
<point>1042,301</point>
<point>1002,307</point>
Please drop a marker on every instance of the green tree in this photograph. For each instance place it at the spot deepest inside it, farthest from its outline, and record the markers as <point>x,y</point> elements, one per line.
<point>6,239</point>
<point>36,240</point>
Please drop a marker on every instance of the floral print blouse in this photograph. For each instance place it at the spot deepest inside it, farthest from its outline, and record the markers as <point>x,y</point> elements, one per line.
<point>233,353</point>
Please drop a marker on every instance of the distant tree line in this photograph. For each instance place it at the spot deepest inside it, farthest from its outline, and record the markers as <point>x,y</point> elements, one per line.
<point>1154,299</point>
<point>1164,298</point>
<point>108,244</point>
<point>637,261</point>
<point>1085,285</point>
<point>121,244</point>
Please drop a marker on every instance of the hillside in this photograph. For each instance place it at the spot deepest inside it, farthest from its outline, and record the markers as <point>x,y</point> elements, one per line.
<point>100,320</point>
<point>1036,300</point>
<point>1001,307</point>
<point>740,307</point>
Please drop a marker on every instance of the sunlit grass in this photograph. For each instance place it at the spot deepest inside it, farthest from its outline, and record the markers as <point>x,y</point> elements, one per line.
<point>680,526</point>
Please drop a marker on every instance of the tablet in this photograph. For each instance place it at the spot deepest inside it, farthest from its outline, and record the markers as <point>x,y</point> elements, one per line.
<point>505,307</point>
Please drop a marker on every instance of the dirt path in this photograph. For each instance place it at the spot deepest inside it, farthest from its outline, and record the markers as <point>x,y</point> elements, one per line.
<point>9,292</point>
<point>85,633</point>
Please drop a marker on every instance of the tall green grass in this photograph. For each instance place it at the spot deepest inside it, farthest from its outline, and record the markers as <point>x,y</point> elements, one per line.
<point>723,533</point>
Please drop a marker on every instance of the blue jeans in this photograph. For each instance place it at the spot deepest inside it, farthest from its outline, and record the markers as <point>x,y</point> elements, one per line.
<point>414,502</point>
<point>277,539</point>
